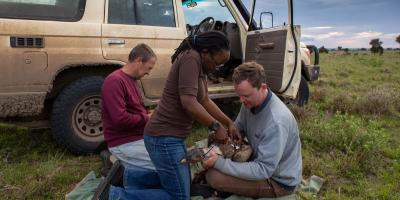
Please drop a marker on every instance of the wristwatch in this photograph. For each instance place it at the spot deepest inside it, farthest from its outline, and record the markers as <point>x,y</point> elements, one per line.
<point>214,126</point>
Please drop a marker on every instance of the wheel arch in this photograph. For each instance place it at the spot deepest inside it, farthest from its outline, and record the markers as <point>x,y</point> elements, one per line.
<point>71,73</point>
<point>303,70</point>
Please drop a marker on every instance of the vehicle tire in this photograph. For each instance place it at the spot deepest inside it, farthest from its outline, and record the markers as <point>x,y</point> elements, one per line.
<point>76,116</point>
<point>303,93</point>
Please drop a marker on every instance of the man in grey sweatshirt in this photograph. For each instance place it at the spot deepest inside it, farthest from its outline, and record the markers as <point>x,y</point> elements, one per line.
<point>275,166</point>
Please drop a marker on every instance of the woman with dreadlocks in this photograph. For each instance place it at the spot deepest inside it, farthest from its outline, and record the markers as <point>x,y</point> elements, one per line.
<point>184,100</point>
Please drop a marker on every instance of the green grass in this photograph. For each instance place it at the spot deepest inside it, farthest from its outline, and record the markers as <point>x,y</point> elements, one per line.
<point>350,133</point>
<point>350,130</point>
<point>34,167</point>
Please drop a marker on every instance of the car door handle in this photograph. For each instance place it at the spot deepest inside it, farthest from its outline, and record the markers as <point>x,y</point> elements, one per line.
<point>115,41</point>
<point>269,45</point>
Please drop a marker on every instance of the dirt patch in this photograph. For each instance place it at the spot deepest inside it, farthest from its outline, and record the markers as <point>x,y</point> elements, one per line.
<point>21,105</point>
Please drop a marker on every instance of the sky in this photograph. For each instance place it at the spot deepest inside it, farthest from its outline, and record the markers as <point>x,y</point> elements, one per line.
<point>328,23</point>
<point>348,23</point>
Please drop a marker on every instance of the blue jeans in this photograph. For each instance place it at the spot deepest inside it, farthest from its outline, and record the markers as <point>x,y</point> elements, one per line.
<point>166,154</point>
<point>139,183</point>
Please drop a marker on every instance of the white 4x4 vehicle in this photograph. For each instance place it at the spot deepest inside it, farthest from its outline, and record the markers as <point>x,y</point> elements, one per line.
<point>56,53</point>
<point>309,71</point>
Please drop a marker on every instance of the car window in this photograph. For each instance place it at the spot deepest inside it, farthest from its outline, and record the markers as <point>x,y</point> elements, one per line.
<point>58,10</point>
<point>141,12</point>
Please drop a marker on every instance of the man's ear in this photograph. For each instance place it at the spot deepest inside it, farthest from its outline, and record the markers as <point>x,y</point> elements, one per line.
<point>263,86</point>
<point>138,60</point>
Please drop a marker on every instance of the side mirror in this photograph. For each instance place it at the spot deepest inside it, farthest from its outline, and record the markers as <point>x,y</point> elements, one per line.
<point>266,20</point>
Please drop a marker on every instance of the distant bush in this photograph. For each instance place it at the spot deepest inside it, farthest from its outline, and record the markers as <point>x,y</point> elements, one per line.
<point>319,95</point>
<point>380,101</point>
<point>302,113</point>
<point>376,61</point>
<point>323,50</point>
<point>342,103</point>
<point>376,46</point>
<point>373,61</point>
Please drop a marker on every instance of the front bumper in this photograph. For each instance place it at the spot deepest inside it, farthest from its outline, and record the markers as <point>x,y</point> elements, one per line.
<point>311,72</point>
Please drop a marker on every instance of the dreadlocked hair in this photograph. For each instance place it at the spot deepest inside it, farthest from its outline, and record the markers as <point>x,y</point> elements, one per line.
<point>210,41</point>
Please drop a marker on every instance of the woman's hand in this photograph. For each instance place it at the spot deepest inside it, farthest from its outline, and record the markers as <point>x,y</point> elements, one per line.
<point>220,134</point>
<point>234,133</point>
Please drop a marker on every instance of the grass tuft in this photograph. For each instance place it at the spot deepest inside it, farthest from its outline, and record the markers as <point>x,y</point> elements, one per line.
<point>319,95</point>
<point>342,103</point>
<point>353,144</point>
<point>380,101</point>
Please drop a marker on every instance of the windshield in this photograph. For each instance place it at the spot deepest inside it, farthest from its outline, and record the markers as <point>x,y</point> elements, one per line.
<point>195,11</point>
<point>278,9</point>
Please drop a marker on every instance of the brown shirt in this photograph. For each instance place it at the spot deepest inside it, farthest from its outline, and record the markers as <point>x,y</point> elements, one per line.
<point>185,78</point>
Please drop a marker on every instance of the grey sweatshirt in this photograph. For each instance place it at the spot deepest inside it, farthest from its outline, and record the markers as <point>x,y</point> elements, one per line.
<point>273,134</point>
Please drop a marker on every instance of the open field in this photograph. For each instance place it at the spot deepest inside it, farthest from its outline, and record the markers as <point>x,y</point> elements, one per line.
<point>350,133</point>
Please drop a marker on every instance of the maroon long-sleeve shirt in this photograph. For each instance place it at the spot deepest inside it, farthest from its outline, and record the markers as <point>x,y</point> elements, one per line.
<point>123,113</point>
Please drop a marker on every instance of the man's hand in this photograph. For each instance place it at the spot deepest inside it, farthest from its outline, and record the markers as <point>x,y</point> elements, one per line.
<point>211,159</point>
<point>234,133</point>
<point>150,112</point>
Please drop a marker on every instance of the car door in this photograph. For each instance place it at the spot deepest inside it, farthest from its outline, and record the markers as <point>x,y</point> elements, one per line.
<point>271,41</point>
<point>157,23</point>
<point>31,36</point>
<point>274,49</point>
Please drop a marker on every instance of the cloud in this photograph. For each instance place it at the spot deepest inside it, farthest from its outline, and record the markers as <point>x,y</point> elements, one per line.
<point>369,34</point>
<point>390,35</point>
<point>318,28</point>
<point>346,36</point>
<point>324,36</point>
<point>307,38</point>
<point>344,4</point>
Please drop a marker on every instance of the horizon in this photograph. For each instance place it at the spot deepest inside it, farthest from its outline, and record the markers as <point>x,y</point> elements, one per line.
<point>350,24</point>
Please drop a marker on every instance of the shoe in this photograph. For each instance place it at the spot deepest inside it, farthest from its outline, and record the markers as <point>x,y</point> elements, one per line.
<point>114,177</point>
<point>201,190</point>
<point>207,191</point>
<point>106,164</point>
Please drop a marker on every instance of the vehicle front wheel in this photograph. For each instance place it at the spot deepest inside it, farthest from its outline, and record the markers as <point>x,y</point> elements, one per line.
<point>76,116</point>
<point>303,93</point>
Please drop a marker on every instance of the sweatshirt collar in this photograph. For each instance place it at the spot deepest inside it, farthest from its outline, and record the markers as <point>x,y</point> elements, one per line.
<point>258,109</point>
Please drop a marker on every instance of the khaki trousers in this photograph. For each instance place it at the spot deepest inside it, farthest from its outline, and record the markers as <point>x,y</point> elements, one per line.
<point>256,189</point>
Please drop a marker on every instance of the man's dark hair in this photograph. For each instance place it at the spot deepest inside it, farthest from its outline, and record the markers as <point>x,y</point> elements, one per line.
<point>250,71</point>
<point>141,51</point>
<point>210,41</point>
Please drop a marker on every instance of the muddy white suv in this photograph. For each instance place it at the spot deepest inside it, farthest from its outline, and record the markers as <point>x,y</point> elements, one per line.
<point>56,53</point>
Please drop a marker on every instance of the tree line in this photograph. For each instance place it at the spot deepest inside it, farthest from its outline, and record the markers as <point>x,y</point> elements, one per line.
<point>376,46</point>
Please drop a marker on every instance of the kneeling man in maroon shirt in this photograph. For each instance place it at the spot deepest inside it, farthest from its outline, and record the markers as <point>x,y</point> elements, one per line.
<point>124,115</point>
